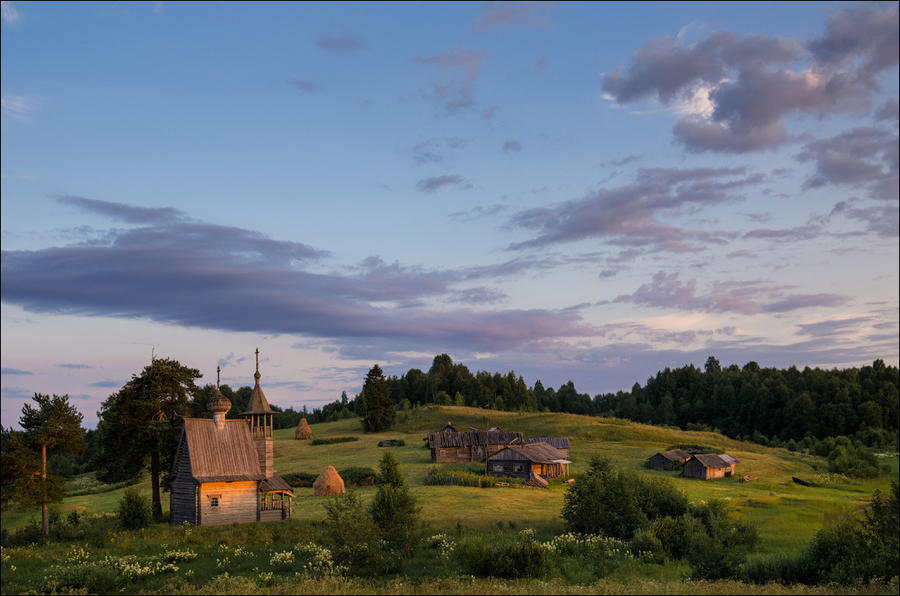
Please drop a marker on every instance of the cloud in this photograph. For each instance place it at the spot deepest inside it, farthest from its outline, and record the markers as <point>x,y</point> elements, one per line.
<point>888,110</point>
<point>882,220</point>
<point>478,212</point>
<point>512,147</point>
<point>75,366</point>
<point>434,150</point>
<point>9,12</point>
<point>339,43</point>
<point>213,277</point>
<point>747,297</point>
<point>306,86</point>
<point>624,161</point>
<point>108,384</point>
<point>14,371</point>
<point>864,158</point>
<point>737,91</point>
<point>456,94</point>
<point>437,182</point>
<point>125,213</point>
<point>832,327</point>
<point>17,107</point>
<point>628,214</point>
<point>508,14</point>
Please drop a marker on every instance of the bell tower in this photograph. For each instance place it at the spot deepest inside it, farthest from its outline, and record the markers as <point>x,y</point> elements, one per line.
<point>259,416</point>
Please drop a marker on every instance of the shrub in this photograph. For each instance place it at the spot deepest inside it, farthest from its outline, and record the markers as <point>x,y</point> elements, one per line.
<point>852,461</point>
<point>645,545</point>
<point>358,476</point>
<point>616,503</point>
<point>332,440</point>
<point>394,510</point>
<point>522,558</point>
<point>300,479</point>
<point>437,475</point>
<point>134,510</point>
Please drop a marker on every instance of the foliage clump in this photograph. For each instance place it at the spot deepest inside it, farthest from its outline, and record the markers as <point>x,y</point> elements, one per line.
<point>134,510</point>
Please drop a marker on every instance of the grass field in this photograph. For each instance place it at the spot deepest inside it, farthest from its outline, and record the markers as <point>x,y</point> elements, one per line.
<point>787,515</point>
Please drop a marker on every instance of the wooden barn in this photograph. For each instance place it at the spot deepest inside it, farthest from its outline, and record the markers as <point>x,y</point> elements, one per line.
<point>528,461</point>
<point>223,471</point>
<point>709,465</point>
<point>560,443</point>
<point>448,446</point>
<point>667,460</point>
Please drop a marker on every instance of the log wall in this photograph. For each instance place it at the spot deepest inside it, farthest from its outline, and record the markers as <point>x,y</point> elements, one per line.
<point>238,502</point>
<point>183,496</point>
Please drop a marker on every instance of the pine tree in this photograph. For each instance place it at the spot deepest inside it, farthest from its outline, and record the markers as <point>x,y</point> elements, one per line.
<point>394,510</point>
<point>379,408</point>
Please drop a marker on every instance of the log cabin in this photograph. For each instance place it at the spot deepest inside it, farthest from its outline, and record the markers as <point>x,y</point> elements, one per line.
<point>709,465</point>
<point>667,460</point>
<point>528,461</point>
<point>448,446</point>
<point>223,471</point>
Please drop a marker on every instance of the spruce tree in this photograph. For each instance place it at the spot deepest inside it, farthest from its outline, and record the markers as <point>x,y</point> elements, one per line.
<point>394,510</point>
<point>379,408</point>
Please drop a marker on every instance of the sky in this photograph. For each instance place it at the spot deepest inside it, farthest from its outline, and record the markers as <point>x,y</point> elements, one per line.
<point>573,191</point>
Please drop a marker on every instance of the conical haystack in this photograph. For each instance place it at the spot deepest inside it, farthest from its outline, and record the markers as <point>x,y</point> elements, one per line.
<point>328,483</point>
<point>303,431</point>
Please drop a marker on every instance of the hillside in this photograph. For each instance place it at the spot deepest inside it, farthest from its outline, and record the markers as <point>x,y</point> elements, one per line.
<point>787,514</point>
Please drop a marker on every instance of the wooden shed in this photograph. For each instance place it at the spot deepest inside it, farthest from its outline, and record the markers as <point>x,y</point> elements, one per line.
<point>709,465</point>
<point>472,445</point>
<point>222,471</point>
<point>525,461</point>
<point>667,460</point>
<point>561,443</point>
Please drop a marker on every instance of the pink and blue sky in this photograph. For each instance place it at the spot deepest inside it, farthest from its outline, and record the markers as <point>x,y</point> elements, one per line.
<point>576,191</point>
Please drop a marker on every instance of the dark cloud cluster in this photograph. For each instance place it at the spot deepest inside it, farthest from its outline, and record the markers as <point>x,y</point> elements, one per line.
<point>435,150</point>
<point>750,82</point>
<point>200,275</point>
<point>667,291</point>
<point>629,215</point>
<point>863,158</point>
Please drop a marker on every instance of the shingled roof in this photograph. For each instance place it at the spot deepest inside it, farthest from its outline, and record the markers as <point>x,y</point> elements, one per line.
<point>539,453</point>
<point>558,442</point>
<point>275,483</point>
<point>258,402</point>
<point>711,460</point>
<point>675,454</point>
<point>221,455</point>
<point>470,437</point>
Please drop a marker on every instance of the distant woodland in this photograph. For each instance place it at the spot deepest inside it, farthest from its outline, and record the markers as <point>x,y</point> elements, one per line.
<point>810,410</point>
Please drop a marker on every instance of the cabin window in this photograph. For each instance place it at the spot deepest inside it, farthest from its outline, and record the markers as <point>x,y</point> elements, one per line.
<point>518,468</point>
<point>498,467</point>
<point>214,501</point>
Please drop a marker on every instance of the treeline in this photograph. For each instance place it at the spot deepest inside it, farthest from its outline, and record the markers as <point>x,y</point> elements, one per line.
<point>785,407</point>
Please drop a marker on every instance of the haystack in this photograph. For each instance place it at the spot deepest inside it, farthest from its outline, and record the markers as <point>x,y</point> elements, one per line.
<point>303,431</point>
<point>328,483</point>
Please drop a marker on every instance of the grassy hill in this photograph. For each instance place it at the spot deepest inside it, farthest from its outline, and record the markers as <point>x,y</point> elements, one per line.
<point>787,514</point>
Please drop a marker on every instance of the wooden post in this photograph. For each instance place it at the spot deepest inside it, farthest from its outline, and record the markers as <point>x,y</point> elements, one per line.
<point>45,522</point>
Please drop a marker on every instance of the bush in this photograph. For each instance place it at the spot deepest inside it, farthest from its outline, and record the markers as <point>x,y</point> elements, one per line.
<point>301,479</point>
<point>134,510</point>
<point>394,510</point>
<point>332,440</point>
<point>522,558</point>
<point>846,459</point>
<point>437,475</point>
<point>358,476</point>
<point>615,503</point>
<point>648,547</point>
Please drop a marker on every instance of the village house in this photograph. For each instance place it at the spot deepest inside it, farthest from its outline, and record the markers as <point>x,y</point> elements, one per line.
<point>709,465</point>
<point>560,443</point>
<point>448,446</point>
<point>223,470</point>
<point>532,461</point>
<point>667,460</point>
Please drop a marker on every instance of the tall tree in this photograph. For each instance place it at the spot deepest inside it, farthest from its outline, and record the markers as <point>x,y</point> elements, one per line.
<point>379,408</point>
<point>140,423</point>
<point>394,510</point>
<point>54,424</point>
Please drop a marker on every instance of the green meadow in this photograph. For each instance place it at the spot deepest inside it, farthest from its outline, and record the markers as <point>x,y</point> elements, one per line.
<point>786,514</point>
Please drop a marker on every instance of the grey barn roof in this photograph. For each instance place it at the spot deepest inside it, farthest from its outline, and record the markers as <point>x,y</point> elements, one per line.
<point>674,454</point>
<point>711,460</point>
<point>471,437</point>
<point>274,483</point>
<point>558,442</point>
<point>221,455</point>
<point>539,453</point>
